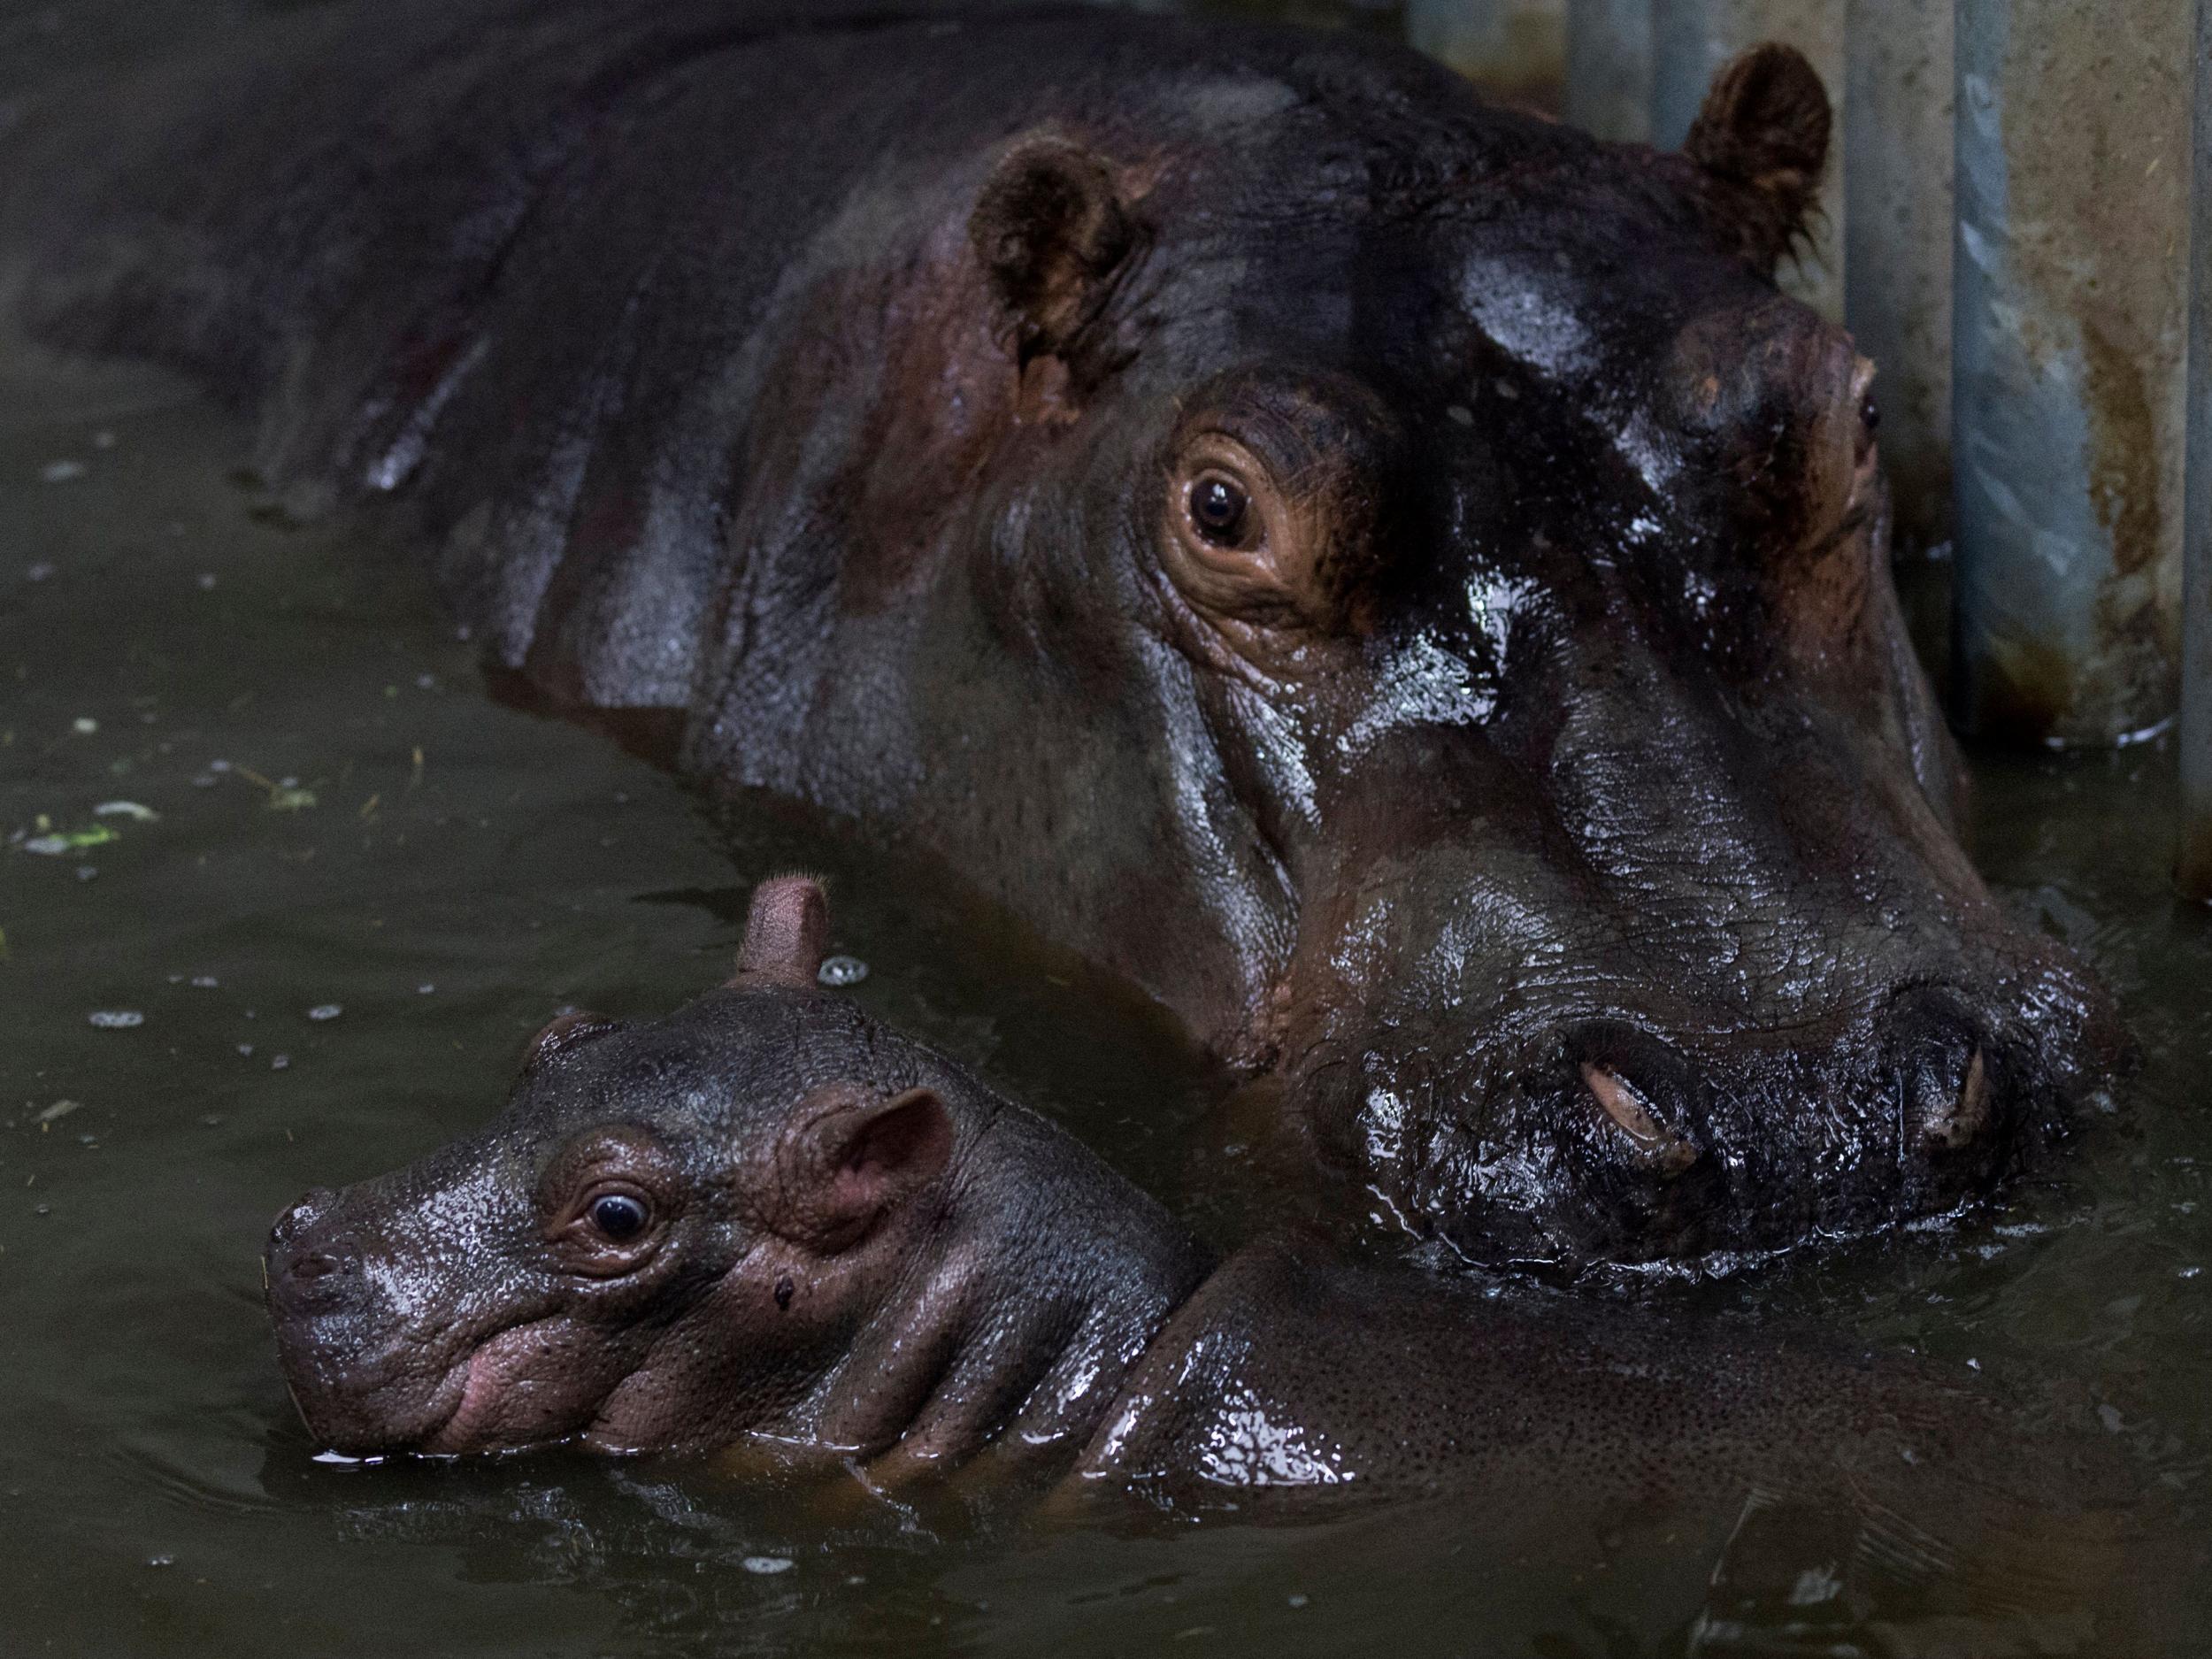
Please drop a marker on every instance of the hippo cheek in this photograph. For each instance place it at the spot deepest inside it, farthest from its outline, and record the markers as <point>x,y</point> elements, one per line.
<point>530,1384</point>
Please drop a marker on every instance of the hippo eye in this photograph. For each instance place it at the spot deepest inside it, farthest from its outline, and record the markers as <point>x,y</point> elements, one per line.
<point>618,1217</point>
<point>1218,508</point>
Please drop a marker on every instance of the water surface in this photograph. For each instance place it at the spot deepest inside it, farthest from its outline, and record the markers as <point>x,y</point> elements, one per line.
<point>337,886</point>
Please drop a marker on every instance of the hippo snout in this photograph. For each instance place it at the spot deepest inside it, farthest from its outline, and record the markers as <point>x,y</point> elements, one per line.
<point>1636,1131</point>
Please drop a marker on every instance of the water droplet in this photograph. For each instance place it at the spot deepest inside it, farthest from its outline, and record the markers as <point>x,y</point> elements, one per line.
<point>116,1018</point>
<point>769,1564</point>
<point>841,970</point>
<point>324,1010</point>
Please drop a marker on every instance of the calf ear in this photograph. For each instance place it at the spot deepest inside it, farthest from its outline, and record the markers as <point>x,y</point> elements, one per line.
<point>1051,230</point>
<point>786,933</point>
<point>1762,135</point>
<point>850,1158</point>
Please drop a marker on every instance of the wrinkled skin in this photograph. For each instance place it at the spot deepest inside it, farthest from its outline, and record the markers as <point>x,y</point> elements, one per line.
<point>764,1215</point>
<point>1391,576</point>
<point>766,1223</point>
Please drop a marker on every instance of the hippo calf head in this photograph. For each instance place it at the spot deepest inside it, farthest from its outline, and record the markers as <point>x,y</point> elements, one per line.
<point>1457,663</point>
<point>763,1214</point>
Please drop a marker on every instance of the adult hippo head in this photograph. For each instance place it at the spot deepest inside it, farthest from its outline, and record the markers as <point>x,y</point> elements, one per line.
<point>1392,576</point>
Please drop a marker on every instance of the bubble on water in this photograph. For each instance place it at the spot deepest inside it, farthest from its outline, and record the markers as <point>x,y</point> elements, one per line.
<point>246,1049</point>
<point>218,766</point>
<point>60,472</point>
<point>103,440</point>
<point>84,725</point>
<point>324,1010</point>
<point>203,982</point>
<point>769,1564</point>
<point>280,1062</point>
<point>424,989</point>
<point>116,1018</point>
<point>161,1561</point>
<point>206,580</point>
<point>206,780</point>
<point>425,682</point>
<point>1297,1601</point>
<point>39,571</point>
<point>840,970</point>
<point>85,873</point>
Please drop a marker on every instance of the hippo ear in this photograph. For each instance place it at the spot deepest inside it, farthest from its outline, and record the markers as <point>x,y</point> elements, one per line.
<point>1051,230</point>
<point>850,1157</point>
<point>786,933</point>
<point>1763,137</point>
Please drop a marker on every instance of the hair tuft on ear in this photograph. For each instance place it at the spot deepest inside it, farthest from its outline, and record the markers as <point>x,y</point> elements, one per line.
<point>1763,133</point>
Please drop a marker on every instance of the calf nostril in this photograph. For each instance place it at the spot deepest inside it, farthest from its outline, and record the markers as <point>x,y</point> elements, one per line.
<point>1621,1101</point>
<point>314,1265</point>
<point>301,1215</point>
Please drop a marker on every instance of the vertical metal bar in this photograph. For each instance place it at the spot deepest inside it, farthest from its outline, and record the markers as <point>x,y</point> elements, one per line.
<point>1692,38</point>
<point>2193,867</point>
<point>1608,68</point>
<point>1897,222</point>
<point>2067,358</point>
<point>1515,48</point>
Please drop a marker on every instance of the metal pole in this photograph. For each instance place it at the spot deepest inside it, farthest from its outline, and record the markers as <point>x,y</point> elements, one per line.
<point>1515,48</point>
<point>1897,222</point>
<point>2067,357</point>
<point>1608,68</point>
<point>2193,868</point>
<point>1692,38</point>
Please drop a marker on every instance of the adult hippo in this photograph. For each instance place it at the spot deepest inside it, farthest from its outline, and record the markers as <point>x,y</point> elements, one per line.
<point>1389,575</point>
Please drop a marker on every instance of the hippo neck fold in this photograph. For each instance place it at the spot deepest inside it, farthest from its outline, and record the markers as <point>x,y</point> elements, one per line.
<point>1038,1286</point>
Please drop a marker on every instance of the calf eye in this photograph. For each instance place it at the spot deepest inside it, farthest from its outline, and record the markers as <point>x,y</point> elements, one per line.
<point>618,1215</point>
<point>1218,508</point>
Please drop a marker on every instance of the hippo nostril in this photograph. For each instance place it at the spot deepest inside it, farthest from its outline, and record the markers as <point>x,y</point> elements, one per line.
<point>1625,1104</point>
<point>1961,1117</point>
<point>317,1264</point>
<point>301,1215</point>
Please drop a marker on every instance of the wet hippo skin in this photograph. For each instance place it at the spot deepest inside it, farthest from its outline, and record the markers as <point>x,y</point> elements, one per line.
<point>768,1221</point>
<point>1391,576</point>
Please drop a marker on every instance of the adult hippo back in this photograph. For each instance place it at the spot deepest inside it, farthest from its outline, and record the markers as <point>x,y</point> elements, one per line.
<point>1391,576</point>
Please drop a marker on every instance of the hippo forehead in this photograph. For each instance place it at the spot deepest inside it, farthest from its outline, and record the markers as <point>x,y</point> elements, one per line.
<point>719,1074</point>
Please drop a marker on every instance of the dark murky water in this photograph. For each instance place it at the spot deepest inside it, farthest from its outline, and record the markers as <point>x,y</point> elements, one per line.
<point>335,885</point>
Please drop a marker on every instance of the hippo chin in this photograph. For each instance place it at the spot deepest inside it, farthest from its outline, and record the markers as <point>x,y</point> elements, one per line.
<point>767,1227</point>
<point>1391,576</point>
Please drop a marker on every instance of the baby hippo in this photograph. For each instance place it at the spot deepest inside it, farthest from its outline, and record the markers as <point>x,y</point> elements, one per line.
<point>768,1219</point>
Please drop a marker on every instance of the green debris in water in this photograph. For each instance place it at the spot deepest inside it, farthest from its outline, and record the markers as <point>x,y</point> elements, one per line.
<point>71,841</point>
<point>283,797</point>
